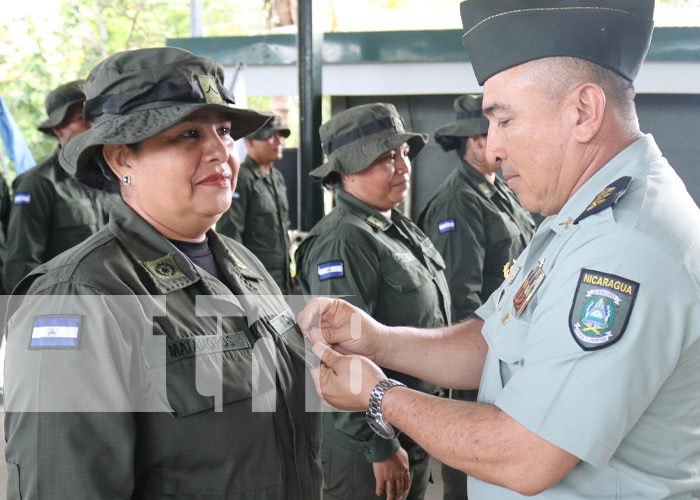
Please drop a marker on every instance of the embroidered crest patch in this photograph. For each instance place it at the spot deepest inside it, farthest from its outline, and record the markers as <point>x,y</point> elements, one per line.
<point>164,268</point>
<point>601,309</point>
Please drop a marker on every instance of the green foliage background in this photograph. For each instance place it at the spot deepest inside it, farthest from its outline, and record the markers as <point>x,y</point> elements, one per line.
<point>36,56</point>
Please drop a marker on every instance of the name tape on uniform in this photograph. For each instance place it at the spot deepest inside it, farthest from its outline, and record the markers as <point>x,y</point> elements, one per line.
<point>55,332</point>
<point>328,270</point>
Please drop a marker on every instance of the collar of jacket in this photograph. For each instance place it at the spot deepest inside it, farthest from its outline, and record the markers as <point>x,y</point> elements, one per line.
<point>477,180</point>
<point>254,168</point>
<point>358,207</point>
<point>168,267</point>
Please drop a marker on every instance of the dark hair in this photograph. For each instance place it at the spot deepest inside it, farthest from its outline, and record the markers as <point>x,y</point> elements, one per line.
<point>332,180</point>
<point>451,142</point>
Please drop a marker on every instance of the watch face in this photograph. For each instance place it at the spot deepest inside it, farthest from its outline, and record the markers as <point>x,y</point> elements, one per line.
<point>381,426</point>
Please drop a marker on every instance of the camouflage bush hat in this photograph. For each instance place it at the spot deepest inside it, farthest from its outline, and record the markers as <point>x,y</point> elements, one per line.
<point>469,121</point>
<point>354,138</point>
<point>135,95</point>
<point>500,34</point>
<point>266,131</point>
<point>57,103</point>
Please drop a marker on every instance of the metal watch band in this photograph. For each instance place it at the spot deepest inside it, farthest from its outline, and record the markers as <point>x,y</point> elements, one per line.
<point>377,394</point>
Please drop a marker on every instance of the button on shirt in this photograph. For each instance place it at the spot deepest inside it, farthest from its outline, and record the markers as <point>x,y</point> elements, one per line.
<point>628,408</point>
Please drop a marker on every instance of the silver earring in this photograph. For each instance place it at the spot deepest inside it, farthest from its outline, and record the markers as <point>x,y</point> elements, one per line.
<point>126,179</point>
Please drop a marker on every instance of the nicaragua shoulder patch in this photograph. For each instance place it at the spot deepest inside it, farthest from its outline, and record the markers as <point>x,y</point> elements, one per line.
<point>23,198</point>
<point>601,309</point>
<point>446,225</point>
<point>332,269</point>
<point>55,332</point>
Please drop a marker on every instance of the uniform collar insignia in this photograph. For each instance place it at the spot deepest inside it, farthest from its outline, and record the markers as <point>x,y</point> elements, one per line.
<point>164,268</point>
<point>238,262</point>
<point>486,188</point>
<point>608,197</point>
<point>378,222</point>
<point>566,223</point>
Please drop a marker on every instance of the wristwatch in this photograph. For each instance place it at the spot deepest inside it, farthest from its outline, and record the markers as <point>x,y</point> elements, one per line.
<point>375,417</point>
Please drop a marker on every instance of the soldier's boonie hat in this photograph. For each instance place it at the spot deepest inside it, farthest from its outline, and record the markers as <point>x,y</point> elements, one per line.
<point>469,121</point>
<point>357,136</point>
<point>57,103</point>
<point>500,34</point>
<point>135,95</point>
<point>266,131</point>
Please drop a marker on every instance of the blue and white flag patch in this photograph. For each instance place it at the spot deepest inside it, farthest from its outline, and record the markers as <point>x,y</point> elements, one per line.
<point>446,225</point>
<point>236,195</point>
<point>23,198</point>
<point>55,332</point>
<point>328,270</point>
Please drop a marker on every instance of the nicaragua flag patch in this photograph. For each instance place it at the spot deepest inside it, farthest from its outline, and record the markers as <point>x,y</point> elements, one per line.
<point>446,225</point>
<point>55,332</point>
<point>23,198</point>
<point>328,270</point>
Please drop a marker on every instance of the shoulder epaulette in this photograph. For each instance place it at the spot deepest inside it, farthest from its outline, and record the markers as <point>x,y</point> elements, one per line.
<point>608,197</point>
<point>377,222</point>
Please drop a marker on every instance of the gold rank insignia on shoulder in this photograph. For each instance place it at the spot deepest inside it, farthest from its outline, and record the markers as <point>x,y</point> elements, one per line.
<point>528,288</point>
<point>164,268</point>
<point>608,197</point>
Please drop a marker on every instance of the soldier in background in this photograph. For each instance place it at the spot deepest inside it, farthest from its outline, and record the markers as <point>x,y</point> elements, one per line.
<point>477,225</point>
<point>52,212</point>
<point>259,213</point>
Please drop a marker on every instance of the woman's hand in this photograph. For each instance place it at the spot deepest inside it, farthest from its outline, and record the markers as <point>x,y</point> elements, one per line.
<point>393,476</point>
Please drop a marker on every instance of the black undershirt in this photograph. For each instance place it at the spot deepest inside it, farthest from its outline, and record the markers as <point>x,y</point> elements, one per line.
<point>200,253</point>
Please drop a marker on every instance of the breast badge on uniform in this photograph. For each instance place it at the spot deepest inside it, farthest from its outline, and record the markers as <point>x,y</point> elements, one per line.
<point>601,309</point>
<point>528,288</point>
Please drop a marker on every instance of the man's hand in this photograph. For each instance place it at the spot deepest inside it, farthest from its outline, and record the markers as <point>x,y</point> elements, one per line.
<point>345,382</point>
<point>335,322</point>
<point>393,476</point>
